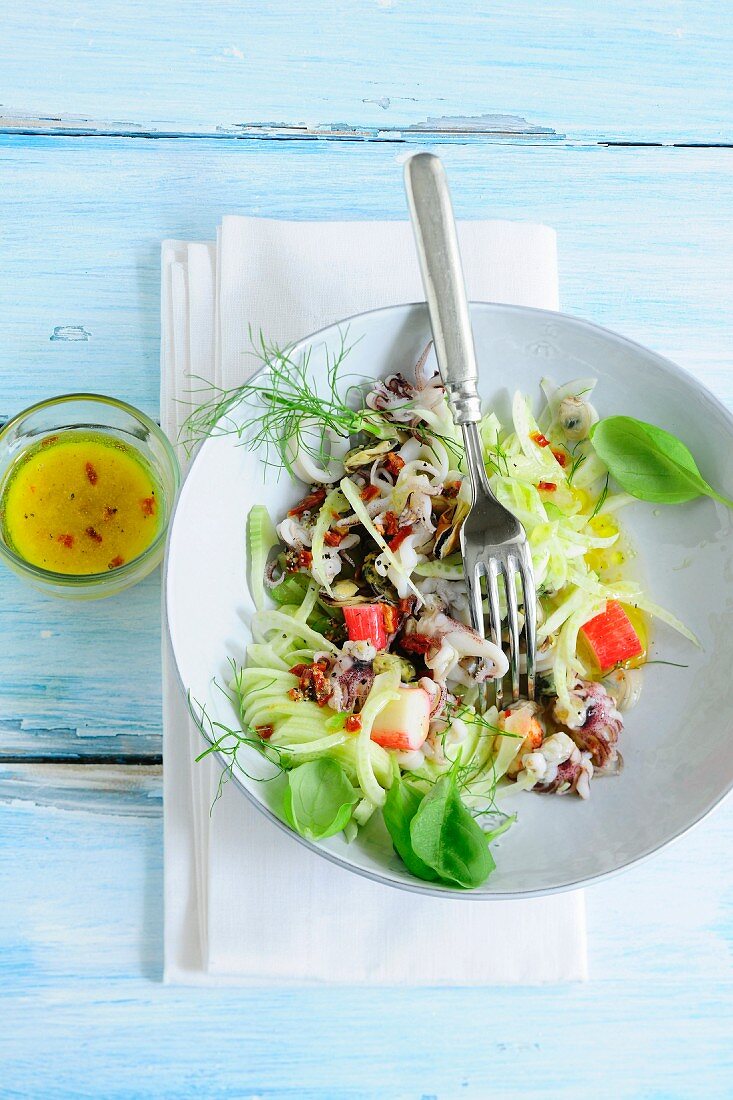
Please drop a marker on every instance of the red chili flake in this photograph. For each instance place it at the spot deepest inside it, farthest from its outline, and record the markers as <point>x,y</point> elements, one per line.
<point>369,492</point>
<point>416,643</point>
<point>539,439</point>
<point>109,512</point>
<point>313,683</point>
<point>148,506</point>
<point>321,687</point>
<point>391,617</point>
<point>352,723</point>
<point>49,440</point>
<point>334,536</point>
<point>507,713</point>
<point>406,604</point>
<point>452,489</point>
<point>92,474</point>
<point>390,524</point>
<point>265,732</point>
<point>546,487</point>
<point>561,457</point>
<point>305,559</point>
<point>308,503</point>
<point>93,534</point>
<point>393,463</point>
<point>402,534</point>
<point>116,562</point>
<point>65,540</point>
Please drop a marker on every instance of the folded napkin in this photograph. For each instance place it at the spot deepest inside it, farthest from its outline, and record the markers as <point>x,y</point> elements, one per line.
<point>244,904</point>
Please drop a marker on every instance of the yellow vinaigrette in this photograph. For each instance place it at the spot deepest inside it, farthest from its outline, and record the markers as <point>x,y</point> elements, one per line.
<point>80,503</point>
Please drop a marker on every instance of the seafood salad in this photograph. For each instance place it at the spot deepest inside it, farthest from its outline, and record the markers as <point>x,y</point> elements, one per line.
<point>364,682</point>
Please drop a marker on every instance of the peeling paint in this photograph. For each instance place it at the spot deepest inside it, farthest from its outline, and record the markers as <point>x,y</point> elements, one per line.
<point>484,127</point>
<point>116,791</point>
<point>479,124</point>
<point>70,332</point>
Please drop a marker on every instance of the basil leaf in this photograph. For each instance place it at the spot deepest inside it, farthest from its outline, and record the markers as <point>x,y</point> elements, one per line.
<point>650,463</point>
<point>318,798</point>
<point>445,835</point>
<point>400,807</point>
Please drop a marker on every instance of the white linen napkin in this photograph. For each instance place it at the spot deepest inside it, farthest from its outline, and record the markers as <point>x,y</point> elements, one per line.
<point>243,903</point>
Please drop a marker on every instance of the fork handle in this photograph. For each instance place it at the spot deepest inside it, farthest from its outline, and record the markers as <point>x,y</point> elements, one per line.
<point>434,226</point>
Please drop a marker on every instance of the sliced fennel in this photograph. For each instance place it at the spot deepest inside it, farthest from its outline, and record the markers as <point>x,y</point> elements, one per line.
<point>351,493</point>
<point>384,690</point>
<point>261,539</point>
<point>333,506</point>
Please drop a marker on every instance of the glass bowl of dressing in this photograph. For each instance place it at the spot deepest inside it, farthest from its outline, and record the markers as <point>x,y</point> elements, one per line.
<point>87,487</point>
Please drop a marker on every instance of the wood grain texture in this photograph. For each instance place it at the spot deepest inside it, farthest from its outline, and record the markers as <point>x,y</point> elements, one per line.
<point>79,681</point>
<point>85,1015</point>
<point>644,241</point>
<point>83,221</point>
<point>304,109</point>
<point>654,71</point>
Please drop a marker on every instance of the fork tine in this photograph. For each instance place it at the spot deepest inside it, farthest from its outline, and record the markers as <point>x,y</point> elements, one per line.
<point>473,573</point>
<point>492,584</point>
<point>510,585</point>
<point>530,616</point>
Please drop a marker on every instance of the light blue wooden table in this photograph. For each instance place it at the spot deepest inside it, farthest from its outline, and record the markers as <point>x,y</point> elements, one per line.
<point>127,122</point>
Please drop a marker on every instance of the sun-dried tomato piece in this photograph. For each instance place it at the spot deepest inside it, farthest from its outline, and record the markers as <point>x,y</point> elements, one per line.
<point>307,504</point>
<point>390,524</point>
<point>402,534</point>
<point>393,463</point>
<point>313,683</point>
<point>391,618</point>
<point>416,643</point>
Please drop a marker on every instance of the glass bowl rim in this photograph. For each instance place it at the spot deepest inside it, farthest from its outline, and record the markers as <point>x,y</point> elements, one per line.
<point>95,579</point>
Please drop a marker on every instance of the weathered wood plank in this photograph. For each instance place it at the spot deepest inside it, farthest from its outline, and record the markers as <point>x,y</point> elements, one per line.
<point>82,222</point>
<point>644,248</point>
<point>84,1013</point>
<point>445,130</point>
<point>79,681</point>
<point>656,71</point>
<point>91,789</point>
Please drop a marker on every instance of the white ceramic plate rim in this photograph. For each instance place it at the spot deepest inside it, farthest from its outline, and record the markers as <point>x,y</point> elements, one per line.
<point>417,887</point>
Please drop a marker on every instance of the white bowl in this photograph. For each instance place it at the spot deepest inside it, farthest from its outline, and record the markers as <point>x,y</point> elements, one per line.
<point>679,762</point>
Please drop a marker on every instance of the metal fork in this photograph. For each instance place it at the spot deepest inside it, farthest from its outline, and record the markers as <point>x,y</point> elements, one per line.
<point>493,541</point>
